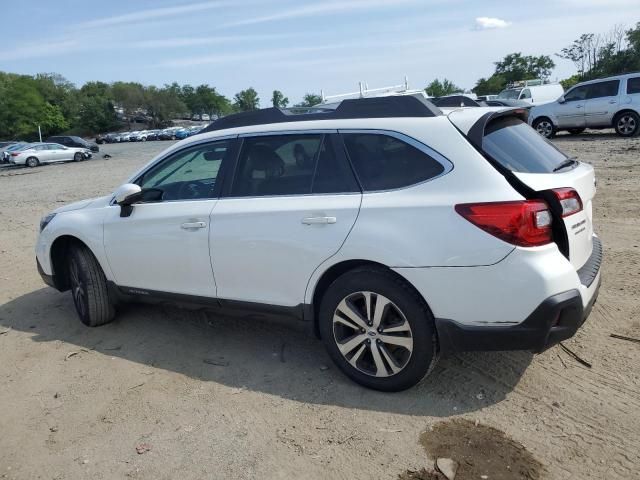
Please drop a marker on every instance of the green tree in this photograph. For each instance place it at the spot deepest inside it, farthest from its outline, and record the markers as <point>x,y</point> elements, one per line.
<point>515,67</point>
<point>439,88</point>
<point>246,100</point>
<point>278,99</point>
<point>162,104</point>
<point>490,86</point>
<point>309,100</point>
<point>129,96</point>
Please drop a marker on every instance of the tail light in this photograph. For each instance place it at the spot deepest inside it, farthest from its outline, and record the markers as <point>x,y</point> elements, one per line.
<point>569,201</point>
<point>14,154</point>
<point>524,223</point>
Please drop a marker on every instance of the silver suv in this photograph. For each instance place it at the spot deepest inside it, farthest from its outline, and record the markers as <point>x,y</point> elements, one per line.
<point>604,103</point>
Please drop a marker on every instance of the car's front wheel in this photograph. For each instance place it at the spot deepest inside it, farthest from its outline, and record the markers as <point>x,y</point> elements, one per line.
<point>377,329</point>
<point>627,124</point>
<point>78,157</point>
<point>544,127</point>
<point>89,288</point>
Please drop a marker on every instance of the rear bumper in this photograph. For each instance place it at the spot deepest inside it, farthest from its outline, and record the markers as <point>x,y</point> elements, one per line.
<point>557,318</point>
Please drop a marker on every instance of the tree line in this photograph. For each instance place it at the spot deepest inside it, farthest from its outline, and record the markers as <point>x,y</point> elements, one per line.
<point>56,105</point>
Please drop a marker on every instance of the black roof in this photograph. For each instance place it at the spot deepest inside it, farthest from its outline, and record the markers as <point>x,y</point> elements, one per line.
<point>377,107</point>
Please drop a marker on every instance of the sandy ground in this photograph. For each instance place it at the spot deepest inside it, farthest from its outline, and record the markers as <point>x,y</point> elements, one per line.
<point>75,402</point>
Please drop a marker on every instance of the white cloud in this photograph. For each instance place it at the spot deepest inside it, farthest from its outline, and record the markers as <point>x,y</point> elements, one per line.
<point>42,49</point>
<point>153,13</point>
<point>487,23</point>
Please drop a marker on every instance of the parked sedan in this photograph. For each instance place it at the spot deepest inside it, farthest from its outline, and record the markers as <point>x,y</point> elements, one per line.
<point>73,142</point>
<point>35,154</point>
<point>5,152</point>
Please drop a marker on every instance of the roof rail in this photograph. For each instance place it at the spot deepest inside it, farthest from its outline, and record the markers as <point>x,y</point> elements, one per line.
<point>375,107</point>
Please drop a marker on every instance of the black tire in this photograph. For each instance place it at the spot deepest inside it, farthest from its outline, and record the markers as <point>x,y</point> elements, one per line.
<point>89,288</point>
<point>380,283</point>
<point>78,157</point>
<point>545,127</point>
<point>627,124</point>
<point>575,131</point>
<point>32,162</point>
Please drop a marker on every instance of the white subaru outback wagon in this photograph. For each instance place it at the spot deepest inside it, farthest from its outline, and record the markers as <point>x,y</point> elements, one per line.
<point>398,232</point>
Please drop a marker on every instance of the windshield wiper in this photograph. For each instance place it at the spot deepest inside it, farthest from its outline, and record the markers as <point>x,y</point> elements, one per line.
<point>568,162</point>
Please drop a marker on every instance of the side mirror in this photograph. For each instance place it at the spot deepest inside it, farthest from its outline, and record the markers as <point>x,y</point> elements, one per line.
<point>126,194</point>
<point>561,99</point>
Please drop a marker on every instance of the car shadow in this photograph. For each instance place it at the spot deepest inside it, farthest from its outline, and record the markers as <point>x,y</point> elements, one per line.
<point>280,358</point>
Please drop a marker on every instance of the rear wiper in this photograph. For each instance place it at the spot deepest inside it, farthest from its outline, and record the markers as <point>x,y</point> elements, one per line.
<point>568,162</point>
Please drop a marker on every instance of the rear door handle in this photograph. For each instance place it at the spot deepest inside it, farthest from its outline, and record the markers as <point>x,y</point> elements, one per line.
<point>613,102</point>
<point>578,106</point>
<point>318,220</point>
<point>193,225</point>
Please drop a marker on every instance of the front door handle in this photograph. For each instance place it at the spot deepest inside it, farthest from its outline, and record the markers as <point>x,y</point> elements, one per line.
<point>578,106</point>
<point>193,225</point>
<point>318,220</point>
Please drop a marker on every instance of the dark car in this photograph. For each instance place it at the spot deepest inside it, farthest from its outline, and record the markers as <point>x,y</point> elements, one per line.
<point>505,102</point>
<point>73,141</point>
<point>451,101</point>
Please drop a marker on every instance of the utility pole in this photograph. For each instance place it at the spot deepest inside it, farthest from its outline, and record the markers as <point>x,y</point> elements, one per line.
<point>40,133</point>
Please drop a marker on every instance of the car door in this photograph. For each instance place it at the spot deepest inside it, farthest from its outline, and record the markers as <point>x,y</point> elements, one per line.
<point>45,153</point>
<point>570,113</point>
<point>290,206</point>
<point>601,103</point>
<point>163,246</point>
<point>58,152</point>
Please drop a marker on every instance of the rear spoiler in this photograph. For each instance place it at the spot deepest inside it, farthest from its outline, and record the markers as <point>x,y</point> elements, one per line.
<point>476,132</point>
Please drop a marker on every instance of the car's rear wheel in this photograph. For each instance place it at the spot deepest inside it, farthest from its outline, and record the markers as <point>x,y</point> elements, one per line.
<point>78,157</point>
<point>627,124</point>
<point>377,329</point>
<point>32,162</point>
<point>544,127</point>
<point>575,131</point>
<point>89,288</point>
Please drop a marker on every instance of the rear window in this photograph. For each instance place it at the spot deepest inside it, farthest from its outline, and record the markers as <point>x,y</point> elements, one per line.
<point>519,148</point>
<point>633,85</point>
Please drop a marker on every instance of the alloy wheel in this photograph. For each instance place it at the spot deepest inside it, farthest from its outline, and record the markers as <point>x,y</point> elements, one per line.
<point>544,128</point>
<point>627,124</point>
<point>372,334</point>
<point>78,288</point>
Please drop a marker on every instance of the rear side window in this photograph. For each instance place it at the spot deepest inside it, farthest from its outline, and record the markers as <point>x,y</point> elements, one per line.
<point>383,162</point>
<point>519,148</point>
<point>604,89</point>
<point>633,85</point>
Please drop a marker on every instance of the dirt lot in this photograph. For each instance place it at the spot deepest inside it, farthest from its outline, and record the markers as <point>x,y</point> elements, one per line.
<point>76,402</point>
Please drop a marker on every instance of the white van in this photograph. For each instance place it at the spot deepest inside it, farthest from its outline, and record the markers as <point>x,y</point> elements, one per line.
<point>536,94</point>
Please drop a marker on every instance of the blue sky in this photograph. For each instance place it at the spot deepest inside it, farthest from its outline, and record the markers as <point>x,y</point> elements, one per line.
<point>294,46</point>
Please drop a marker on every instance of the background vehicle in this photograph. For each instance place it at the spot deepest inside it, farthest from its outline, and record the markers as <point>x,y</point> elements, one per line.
<point>503,102</point>
<point>73,141</point>
<point>318,222</point>
<point>36,154</point>
<point>532,91</point>
<point>603,103</point>
<point>11,148</point>
<point>4,146</point>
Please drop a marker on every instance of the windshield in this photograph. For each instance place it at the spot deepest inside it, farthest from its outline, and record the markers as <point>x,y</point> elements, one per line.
<point>519,148</point>
<point>510,94</point>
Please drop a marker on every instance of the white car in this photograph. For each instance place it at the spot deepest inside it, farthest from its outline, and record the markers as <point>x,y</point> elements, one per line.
<point>397,232</point>
<point>36,154</point>
<point>604,103</point>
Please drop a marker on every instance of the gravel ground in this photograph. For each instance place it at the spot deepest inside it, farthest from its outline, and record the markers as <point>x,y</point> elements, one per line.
<point>78,402</point>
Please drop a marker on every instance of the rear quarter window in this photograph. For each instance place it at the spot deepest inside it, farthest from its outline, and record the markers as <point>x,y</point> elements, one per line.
<point>633,85</point>
<point>519,148</point>
<point>384,162</point>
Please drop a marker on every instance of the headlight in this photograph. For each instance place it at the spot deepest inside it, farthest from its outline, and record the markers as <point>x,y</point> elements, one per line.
<point>46,220</point>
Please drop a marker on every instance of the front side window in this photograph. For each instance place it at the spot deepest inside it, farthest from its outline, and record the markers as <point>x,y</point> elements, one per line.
<point>526,93</point>
<point>603,89</point>
<point>577,94</point>
<point>633,85</point>
<point>383,162</point>
<point>189,174</point>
